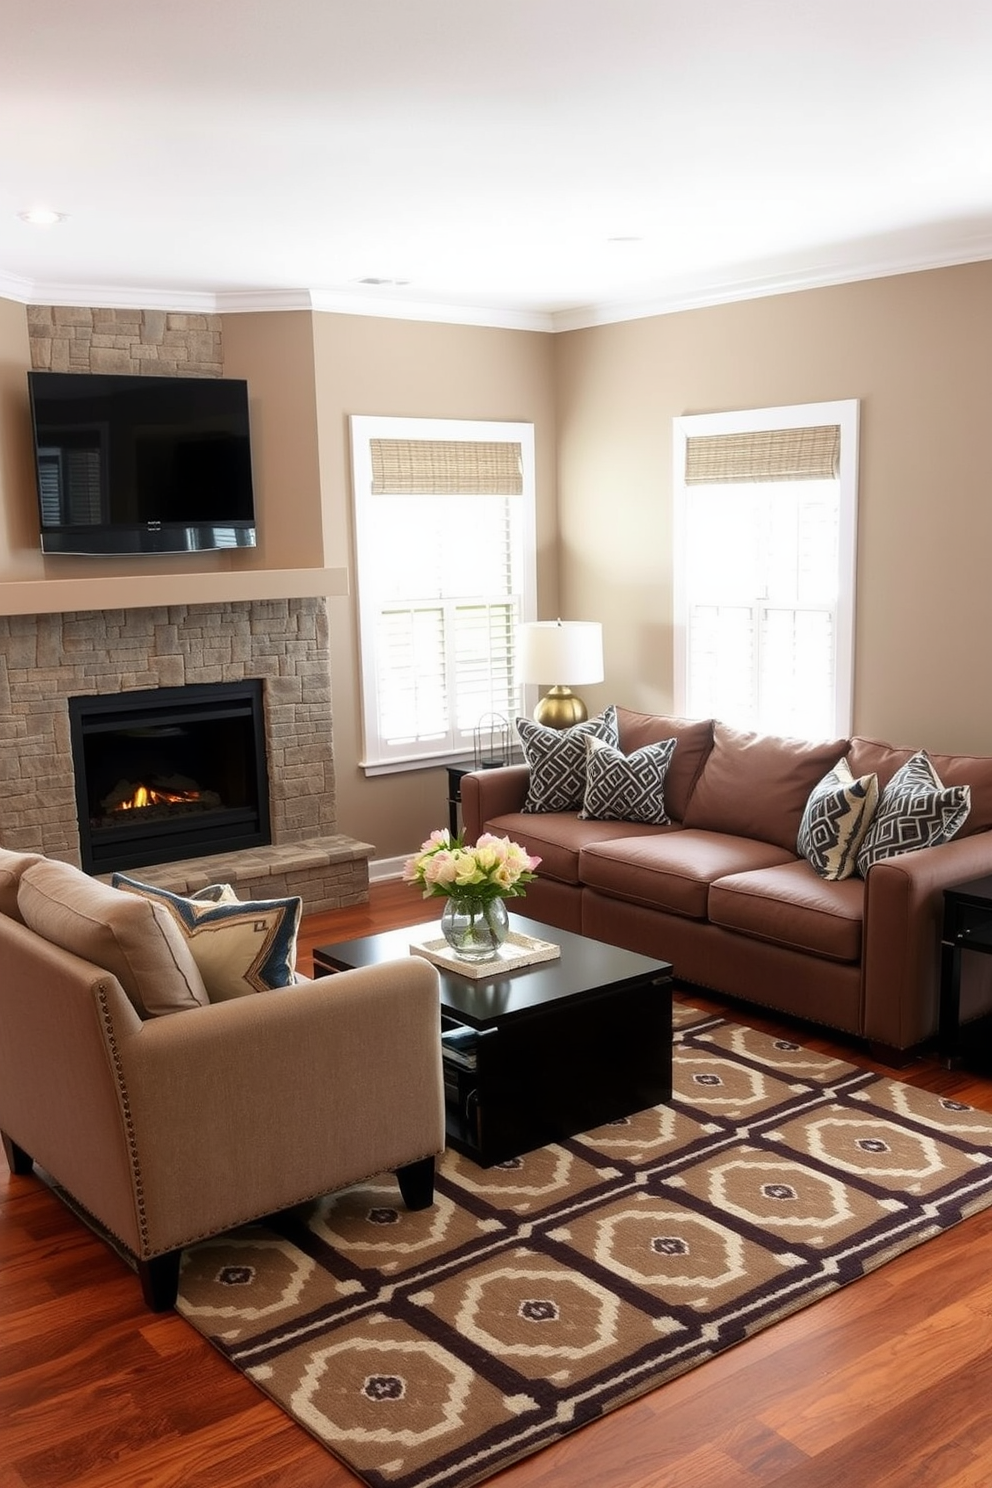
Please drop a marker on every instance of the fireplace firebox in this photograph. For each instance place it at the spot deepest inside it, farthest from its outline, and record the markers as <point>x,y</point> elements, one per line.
<point>169,773</point>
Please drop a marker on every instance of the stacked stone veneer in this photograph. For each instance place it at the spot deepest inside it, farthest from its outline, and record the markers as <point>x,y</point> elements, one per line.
<point>46,659</point>
<point>157,343</point>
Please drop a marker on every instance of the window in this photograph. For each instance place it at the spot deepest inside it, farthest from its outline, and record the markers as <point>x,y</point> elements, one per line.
<point>445,536</point>
<point>765,536</point>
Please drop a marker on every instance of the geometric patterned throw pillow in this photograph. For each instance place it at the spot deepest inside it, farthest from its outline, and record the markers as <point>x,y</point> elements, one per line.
<point>239,947</point>
<point>915,811</point>
<point>626,787</point>
<point>837,816</point>
<point>557,759</point>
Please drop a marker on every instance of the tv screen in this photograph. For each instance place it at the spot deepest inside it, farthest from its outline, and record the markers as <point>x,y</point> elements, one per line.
<point>129,464</point>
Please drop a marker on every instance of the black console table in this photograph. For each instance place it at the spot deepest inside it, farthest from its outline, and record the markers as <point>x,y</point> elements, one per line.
<point>967,927</point>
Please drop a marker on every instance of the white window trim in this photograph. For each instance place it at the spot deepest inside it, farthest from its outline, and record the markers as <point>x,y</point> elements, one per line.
<point>844,413</point>
<point>365,428</point>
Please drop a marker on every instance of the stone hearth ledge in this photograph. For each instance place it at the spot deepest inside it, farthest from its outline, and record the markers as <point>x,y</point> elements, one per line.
<point>326,872</point>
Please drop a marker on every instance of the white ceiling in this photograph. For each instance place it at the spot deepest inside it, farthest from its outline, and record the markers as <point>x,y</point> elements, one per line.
<point>544,163</point>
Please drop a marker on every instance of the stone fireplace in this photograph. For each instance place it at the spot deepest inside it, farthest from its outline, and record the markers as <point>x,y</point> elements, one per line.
<point>46,660</point>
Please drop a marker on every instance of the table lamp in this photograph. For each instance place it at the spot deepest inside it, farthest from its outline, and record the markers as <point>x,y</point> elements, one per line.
<point>560,652</point>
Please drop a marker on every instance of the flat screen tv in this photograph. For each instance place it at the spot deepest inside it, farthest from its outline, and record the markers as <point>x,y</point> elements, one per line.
<point>129,464</point>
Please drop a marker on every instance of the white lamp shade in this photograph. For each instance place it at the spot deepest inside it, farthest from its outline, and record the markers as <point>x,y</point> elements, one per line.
<point>560,653</point>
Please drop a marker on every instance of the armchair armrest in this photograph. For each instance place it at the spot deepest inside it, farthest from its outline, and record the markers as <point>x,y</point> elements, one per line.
<point>904,907</point>
<point>249,1106</point>
<point>490,793</point>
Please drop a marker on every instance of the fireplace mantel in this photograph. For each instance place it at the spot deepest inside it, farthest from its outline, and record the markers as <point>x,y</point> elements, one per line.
<point>59,596</point>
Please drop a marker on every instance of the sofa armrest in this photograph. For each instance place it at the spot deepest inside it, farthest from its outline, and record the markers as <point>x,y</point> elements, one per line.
<point>57,1100</point>
<point>489,793</point>
<point>904,909</point>
<point>251,1105</point>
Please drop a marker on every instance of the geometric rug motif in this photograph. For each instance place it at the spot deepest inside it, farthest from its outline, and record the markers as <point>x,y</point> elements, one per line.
<point>433,1349</point>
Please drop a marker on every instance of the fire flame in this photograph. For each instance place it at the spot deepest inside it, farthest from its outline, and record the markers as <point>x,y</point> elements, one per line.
<point>145,796</point>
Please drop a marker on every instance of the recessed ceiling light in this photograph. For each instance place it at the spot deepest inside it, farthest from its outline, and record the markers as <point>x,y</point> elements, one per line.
<point>42,216</point>
<point>625,239</point>
<point>373,280</point>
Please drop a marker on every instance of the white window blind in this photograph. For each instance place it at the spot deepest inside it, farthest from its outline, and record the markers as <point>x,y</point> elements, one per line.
<point>765,505</point>
<point>444,516</point>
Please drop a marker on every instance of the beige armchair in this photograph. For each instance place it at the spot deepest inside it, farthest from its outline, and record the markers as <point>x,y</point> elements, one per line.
<point>170,1129</point>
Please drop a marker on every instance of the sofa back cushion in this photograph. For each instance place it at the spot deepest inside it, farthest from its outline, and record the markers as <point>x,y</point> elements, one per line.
<point>693,742</point>
<point>130,937</point>
<point>884,760</point>
<point>12,865</point>
<point>757,785</point>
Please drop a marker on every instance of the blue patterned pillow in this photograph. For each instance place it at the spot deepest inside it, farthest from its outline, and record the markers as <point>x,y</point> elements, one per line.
<point>915,811</point>
<point>557,759</point>
<point>239,947</point>
<point>837,816</point>
<point>626,787</point>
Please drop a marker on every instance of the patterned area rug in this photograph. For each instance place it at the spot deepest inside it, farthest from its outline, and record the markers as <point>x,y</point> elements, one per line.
<point>431,1350</point>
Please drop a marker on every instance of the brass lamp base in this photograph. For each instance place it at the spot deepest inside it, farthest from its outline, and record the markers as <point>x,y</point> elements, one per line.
<point>560,708</point>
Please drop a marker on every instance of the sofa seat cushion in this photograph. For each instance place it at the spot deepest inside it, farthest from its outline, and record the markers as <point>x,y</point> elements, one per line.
<point>673,871</point>
<point>133,939</point>
<point>791,906</point>
<point>757,785</point>
<point>558,837</point>
<point>884,760</point>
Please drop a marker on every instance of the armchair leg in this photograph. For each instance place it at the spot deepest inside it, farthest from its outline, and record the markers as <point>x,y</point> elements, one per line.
<point>18,1161</point>
<point>416,1182</point>
<point>159,1279</point>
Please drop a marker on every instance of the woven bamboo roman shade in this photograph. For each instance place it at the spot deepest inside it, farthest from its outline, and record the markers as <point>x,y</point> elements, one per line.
<point>764,455</point>
<point>441,467</point>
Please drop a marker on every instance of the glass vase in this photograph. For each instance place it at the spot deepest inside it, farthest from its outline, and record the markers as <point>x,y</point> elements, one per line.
<point>475,928</point>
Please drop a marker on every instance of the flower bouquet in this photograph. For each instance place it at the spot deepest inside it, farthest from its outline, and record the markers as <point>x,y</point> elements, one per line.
<point>475,881</point>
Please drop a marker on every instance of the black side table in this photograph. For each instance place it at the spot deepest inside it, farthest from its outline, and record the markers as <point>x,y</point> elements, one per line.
<point>967,927</point>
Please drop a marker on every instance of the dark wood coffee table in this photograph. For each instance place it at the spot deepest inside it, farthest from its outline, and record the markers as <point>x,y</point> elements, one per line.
<point>555,1048</point>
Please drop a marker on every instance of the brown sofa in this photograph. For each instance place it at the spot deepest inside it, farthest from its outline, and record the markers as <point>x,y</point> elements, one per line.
<point>723,894</point>
<point>169,1117</point>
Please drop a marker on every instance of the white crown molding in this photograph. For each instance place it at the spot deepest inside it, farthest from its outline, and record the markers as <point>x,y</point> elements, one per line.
<point>695,294</point>
<point>13,288</point>
<point>341,303</point>
<point>110,297</point>
<point>707,292</point>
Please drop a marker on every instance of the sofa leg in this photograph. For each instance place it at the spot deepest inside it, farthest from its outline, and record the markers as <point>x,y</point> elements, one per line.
<point>18,1161</point>
<point>888,1055</point>
<point>159,1279</point>
<point>416,1183</point>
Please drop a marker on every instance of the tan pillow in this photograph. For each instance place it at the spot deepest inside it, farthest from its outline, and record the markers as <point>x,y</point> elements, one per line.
<point>12,865</point>
<point>134,939</point>
<point>239,946</point>
<point>757,785</point>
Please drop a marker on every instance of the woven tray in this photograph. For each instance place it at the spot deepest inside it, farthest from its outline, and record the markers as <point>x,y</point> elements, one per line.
<point>516,950</point>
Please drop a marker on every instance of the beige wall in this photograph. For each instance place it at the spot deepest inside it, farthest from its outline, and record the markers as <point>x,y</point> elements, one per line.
<point>274,352</point>
<point>917,351</point>
<point>410,369</point>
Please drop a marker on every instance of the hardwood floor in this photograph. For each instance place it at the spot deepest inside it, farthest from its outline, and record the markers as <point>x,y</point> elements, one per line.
<point>885,1384</point>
